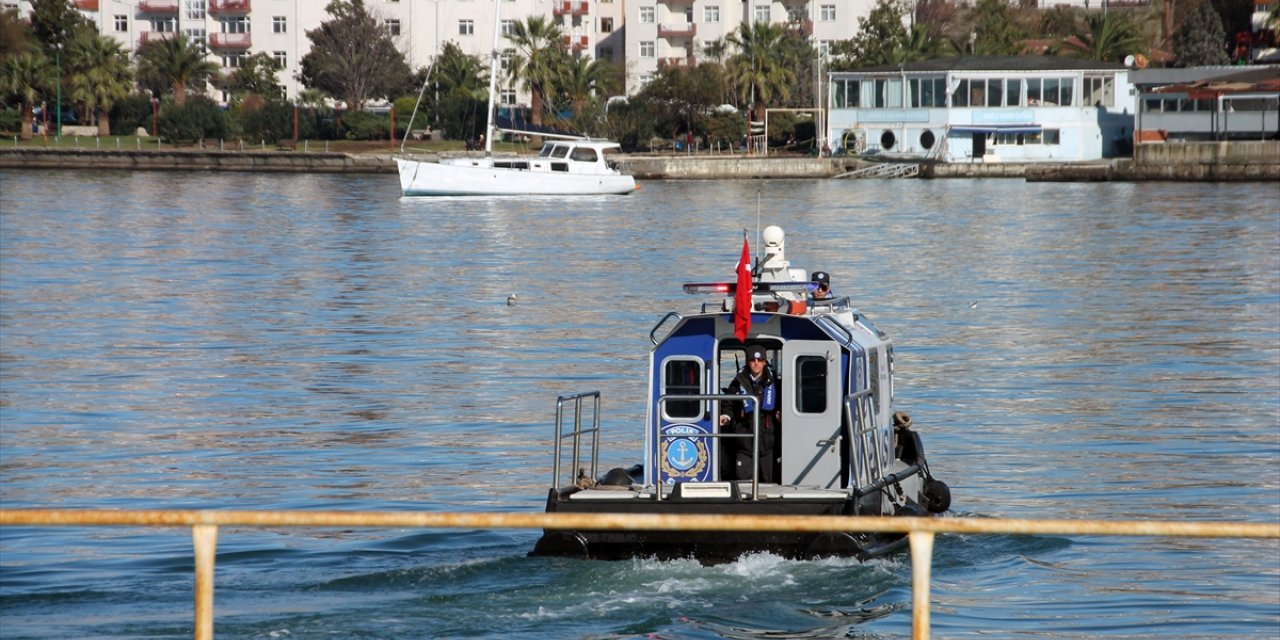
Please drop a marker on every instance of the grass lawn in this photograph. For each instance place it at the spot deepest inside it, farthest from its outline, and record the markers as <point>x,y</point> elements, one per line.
<point>124,143</point>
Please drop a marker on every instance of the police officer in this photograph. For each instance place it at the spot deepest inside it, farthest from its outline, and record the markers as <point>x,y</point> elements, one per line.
<point>823,290</point>
<point>755,379</point>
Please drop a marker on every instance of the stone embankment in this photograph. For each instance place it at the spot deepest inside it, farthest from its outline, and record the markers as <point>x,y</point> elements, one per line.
<point>1201,161</point>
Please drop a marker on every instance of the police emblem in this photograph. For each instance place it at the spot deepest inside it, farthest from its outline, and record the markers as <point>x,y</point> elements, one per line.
<point>683,456</point>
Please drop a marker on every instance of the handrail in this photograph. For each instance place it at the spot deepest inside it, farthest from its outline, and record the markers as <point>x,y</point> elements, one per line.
<point>920,532</point>
<point>653,332</point>
<point>754,435</point>
<point>577,433</point>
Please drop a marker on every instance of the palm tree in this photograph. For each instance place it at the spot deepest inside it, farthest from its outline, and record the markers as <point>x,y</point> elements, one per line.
<point>26,76</point>
<point>583,79</point>
<point>1106,37</point>
<point>538,59</point>
<point>758,69</point>
<point>175,63</point>
<point>99,76</point>
<point>458,74</point>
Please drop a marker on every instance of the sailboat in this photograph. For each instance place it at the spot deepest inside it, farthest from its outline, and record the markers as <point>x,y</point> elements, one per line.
<point>566,165</point>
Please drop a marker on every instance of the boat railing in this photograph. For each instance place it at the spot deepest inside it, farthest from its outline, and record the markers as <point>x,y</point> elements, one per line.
<point>868,440</point>
<point>577,434</point>
<point>716,435</point>
<point>835,328</point>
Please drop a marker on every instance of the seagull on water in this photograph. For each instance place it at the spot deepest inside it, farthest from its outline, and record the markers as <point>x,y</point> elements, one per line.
<point>511,300</point>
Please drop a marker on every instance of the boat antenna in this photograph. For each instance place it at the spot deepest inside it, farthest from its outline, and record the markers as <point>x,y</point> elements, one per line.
<point>493,78</point>
<point>421,92</point>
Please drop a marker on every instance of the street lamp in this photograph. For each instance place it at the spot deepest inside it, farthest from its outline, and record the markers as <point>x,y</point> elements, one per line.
<point>57,56</point>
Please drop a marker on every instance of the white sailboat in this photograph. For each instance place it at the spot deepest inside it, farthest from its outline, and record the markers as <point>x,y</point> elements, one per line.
<point>566,165</point>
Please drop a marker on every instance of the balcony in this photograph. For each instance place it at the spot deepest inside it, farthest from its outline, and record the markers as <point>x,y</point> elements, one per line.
<point>158,6</point>
<point>230,41</point>
<point>229,6</point>
<point>566,7</point>
<point>156,36</point>
<point>681,30</point>
<point>575,43</point>
<point>87,5</point>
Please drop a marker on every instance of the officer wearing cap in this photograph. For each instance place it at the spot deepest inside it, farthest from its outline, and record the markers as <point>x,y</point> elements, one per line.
<point>755,379</point>
<point>823,281</point>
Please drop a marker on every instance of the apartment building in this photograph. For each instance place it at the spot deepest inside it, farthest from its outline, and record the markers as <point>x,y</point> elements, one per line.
<point>233,30</point>
<point>676,32</point>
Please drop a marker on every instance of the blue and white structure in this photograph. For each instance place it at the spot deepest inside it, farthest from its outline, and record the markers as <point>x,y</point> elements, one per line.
<point>984,109</point>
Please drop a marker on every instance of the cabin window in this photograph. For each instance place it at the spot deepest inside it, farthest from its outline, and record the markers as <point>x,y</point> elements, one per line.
<point>811,384</point>
<point>584,154</point>
<point>682,377</point>
<point>559,151</point>
<point>873,378</point>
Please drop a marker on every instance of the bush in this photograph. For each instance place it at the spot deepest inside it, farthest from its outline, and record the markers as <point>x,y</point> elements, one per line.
<point>196,120</point>
<point>404,109</point>
<point>269,121</point>
<point>360,125</point>
<point>11,121</point>
<point>130,113</point>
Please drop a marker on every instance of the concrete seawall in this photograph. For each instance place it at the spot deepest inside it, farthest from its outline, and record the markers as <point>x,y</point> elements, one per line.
<point>1213,162</point>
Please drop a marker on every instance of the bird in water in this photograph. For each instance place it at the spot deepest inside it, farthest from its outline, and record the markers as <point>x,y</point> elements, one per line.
<point>511,300</point>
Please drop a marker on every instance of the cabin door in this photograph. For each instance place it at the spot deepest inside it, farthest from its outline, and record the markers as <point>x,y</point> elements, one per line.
<point>811,408</point>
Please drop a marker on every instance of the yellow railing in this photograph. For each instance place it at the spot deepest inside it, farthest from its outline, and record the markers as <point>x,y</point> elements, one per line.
<point>204,527</point>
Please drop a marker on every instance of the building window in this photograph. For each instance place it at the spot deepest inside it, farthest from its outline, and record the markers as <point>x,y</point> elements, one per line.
<point>507,96</point>
<point>606,25</point>
<point>827,13</point>
<point>711,13</point>
<point>1099,91</point>
<point>279,24</point>
<point>163,25</point>
<point>604,53</point>
<point>824,47</point>
<point>197,37</point>
<point>762,13</point>
<point>195,9</point>
<point>282,59</point>
<point>466,27</point>
<point>508,27</point>
<point>233,60</point>
<point>393,26</point>
<point>1051,136</point>
<point>122,23</point>
<point>646,14</point>
<point>239,24</point>
<point>647,49</point>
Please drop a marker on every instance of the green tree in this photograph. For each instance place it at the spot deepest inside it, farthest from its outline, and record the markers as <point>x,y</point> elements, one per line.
<point>683,96</point>
<point>881,35</point>
<point>1201,40</point>
<point>1107,37</point>
<point>996,31</point>
<point>27,77</point>
<point>256,77</point>
<point>15,35</point>
<point>757,69</point>
<point>458,93</point>
<point>353,58</point>
<point>55,23</point>
<point>99,76</point>
<point>583,80</point>
<point>196,119</point>
<point>539,58</point>
<point>174,66</point>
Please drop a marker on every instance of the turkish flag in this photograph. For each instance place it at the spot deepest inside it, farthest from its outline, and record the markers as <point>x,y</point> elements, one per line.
<point>742,295</point>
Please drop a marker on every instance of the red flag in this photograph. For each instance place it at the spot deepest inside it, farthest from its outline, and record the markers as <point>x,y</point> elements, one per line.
<point>742,295</point>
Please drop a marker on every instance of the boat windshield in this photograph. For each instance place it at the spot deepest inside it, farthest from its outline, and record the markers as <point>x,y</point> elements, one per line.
<point>554,150</point>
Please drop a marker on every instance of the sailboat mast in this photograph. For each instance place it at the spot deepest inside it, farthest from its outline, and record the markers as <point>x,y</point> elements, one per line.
<point>493,77</point>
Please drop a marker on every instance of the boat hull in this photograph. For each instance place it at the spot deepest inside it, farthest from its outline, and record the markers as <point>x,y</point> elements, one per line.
<point>708,547</point>
<point>481,178</point>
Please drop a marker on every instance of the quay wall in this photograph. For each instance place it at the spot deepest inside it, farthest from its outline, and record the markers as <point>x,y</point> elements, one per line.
<point>196,160</point>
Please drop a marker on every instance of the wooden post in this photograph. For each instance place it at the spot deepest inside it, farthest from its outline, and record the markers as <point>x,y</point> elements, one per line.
<point>921,574</point>
<point>205,538</point>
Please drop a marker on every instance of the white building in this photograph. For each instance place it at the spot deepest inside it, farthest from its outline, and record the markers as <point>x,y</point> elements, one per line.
<point>232,30</point>
<point>984,109</point>
<point>675,32</point>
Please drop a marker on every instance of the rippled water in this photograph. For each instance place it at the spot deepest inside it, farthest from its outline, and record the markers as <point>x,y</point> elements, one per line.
<point>195,340</point>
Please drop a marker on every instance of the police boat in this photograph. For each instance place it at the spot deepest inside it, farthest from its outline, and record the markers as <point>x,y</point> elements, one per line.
<point>812,432</point>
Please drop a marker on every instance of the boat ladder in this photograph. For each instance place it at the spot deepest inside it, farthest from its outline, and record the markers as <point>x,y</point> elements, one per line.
<point>884,170</point>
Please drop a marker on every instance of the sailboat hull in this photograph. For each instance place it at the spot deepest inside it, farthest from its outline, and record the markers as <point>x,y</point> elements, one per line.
<point>484,177</point>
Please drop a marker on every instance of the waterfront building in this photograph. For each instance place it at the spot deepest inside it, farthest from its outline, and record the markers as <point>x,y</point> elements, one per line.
<point>233,30</point>
<point>678,32</point>
<point>984,109</point>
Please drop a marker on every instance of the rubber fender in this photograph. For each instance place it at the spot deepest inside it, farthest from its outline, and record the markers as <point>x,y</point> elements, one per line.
<point>937,496</point>
<point>569,544</point>
<point>834,543</point>
<point>910,510</point>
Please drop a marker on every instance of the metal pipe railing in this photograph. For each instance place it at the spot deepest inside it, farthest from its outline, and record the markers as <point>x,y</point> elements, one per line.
<point>920,531</point>
<point>715,433</point>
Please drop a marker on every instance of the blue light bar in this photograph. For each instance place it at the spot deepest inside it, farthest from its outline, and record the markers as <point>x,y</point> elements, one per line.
<point>760,287</point>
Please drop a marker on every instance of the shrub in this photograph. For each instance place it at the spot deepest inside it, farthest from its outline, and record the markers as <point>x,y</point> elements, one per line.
<point>11,121</point>
<point>199,118</point>
<point>269,121</point>
<point>360,125</point>
<point>130,113</point>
